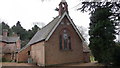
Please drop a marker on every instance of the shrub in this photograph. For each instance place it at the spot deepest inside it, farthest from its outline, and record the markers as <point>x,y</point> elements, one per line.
<point>4,60</point>
<point>116,56</point>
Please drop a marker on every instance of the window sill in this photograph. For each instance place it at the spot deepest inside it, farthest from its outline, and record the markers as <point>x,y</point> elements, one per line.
<point>66,50</point>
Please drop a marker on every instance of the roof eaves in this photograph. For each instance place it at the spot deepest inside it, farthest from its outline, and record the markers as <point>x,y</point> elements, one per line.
<point>49,35</point>
<point>14,39</point>
<point>80,35</point>
<point>71,23</point>
<point>34,35</point>
<point>49,22</point>
<point>26,46</point>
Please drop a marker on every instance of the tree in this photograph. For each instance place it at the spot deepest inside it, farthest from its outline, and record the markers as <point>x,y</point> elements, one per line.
<point>102,35</point>
<point>83,31</point>
<point>116,55</point>
<point>20,31</point>
<point>113,6</point>
<point>33,31</point>
<point>25,35</point>
<point>104,19</point>
<point>3,25</point>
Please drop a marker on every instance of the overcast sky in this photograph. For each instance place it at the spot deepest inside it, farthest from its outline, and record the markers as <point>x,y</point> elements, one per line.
<point>30,11</point>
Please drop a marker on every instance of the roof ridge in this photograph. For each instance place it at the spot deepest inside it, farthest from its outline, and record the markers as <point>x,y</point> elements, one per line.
<point>43,36</point>
<point>53,26</point>
<point>12,37</point>
<point>49,22</point>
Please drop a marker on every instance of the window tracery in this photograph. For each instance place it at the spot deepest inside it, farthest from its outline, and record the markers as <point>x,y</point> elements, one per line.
<point>65,40</point>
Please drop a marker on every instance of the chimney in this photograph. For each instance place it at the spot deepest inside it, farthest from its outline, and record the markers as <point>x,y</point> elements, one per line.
<point>5,32</point>
<point>63,7</point>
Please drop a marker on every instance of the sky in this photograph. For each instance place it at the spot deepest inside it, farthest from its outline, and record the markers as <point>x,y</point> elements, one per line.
<point>30,12</point>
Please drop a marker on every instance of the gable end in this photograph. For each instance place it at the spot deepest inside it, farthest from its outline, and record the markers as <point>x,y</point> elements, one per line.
<point>65,14</point>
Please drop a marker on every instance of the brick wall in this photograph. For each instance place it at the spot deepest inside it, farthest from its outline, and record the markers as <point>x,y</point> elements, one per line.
<point>18,44</point>
<point>8,57</point>
<point>86,57</point>
<point>22,56</point>
<point>8,50</point>
<point>38,54</point>
<point>49,53</point>
<point>2,44</point>
<point>53,55</point>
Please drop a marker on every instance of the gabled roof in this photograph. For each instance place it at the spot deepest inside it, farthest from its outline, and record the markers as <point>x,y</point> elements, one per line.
<point>45,33</point>
<point>74,26</point>
<point>8,39</point>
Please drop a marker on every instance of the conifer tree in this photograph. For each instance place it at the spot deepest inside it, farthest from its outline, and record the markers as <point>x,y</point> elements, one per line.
<point>102,35</point>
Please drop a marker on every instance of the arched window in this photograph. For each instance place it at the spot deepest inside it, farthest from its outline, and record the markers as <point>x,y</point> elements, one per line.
<point>28,52</point>
<point>65,40</point>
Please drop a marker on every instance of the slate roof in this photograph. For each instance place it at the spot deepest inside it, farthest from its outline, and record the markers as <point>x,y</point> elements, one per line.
<point>43,33</point>
<point>8,39</point>
<point>8,48</point>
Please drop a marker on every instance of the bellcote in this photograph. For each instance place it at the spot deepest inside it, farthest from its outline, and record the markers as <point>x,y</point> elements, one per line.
<point>63,7</point>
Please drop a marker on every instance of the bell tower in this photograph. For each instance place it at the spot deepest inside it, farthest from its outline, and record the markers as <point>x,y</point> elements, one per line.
<point>63,7</point>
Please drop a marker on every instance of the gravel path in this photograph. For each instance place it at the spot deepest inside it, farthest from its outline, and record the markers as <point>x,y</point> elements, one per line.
<point>28,64</point>
<point>16,64</point>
